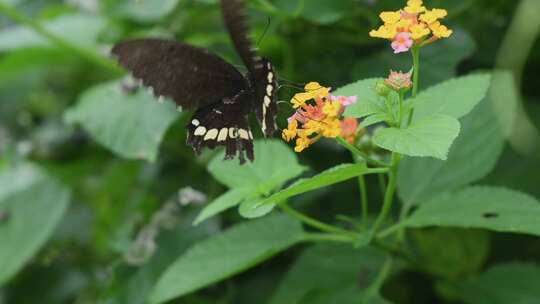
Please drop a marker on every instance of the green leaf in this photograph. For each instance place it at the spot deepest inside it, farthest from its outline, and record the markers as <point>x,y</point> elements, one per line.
<point>501,284</point>
<point>374,119</point>
<point>465,249</point>
<point>131,125</point>
<point>328,270</point>
<point>325,12</point>
<point>35,204</point>
<point>329,177</point>
<point>438,61</point>
<point>143,10</point>
<point>491,208</point>
<point>456,97</point>
<point>253,209</point>
<point>78,29</point>
<point>224,255</point>
<point>275,163</point>
<point>368,101</point>
<point>133,284</point>
<point>226,201</point>
<point>431,136</point>
<point>472,156</point>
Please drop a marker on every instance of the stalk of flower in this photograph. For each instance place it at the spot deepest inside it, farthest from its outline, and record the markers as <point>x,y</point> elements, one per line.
<point>319,114</point>
<point>414,25</point>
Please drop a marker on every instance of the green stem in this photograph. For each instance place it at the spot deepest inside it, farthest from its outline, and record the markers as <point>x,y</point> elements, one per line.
<point>381,277</point>
<point>416,80</point>
<point>364,203</point>
<point>382,184</point>
<point>389,194</point>
<point>59,42</point>
<point>355,151</point>
<point>313,222</point>
<point>327,237</point>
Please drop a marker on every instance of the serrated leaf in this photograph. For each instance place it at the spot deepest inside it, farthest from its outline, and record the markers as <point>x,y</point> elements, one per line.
<point>491,208</point>
<point>329,177</point>
<point>275,163</point>
<point>131,125</point>
<point>430,137</point>
<point>332,270</point>
<point>77,29</point>
<point>226,254</point>
<point>455,97</point>
<point>226,201</point>
<point>35,204</point>
<point>501,284</point>
<point>368,101</point>
<point>472,156</point>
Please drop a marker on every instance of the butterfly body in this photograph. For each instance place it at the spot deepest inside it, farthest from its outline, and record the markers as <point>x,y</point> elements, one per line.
<point>222,97</point>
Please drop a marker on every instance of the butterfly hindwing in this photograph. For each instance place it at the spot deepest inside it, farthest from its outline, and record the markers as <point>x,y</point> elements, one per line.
<point>191,76</point>
<point>223,124</point>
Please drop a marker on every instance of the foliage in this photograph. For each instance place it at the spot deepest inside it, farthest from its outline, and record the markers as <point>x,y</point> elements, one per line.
<point>425,201</point>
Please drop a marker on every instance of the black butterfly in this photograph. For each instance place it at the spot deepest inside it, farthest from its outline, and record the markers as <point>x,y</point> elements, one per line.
<point>196,79</point>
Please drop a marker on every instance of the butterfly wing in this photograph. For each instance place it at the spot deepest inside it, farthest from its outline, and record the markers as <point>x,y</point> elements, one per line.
<point>262,74</point>
<point>223,124</point>
<point>190,76</point>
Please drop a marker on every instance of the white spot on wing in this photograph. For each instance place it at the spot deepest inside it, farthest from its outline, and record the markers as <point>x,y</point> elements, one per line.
<point>270,77</point>
<point>243,134</point>
<point>200,131</point>
<point>233,133</point>
<point>195,122</point>
<point>267,101</point>
<point>269,89</point>
<point>211,134</point>
<point>223,134</point>
<point>250,135</point>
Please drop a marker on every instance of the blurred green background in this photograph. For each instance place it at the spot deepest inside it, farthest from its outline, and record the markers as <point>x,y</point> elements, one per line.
<point>47,92</point>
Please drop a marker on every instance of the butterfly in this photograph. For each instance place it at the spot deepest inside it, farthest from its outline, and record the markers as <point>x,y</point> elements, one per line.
<point>195,79</point>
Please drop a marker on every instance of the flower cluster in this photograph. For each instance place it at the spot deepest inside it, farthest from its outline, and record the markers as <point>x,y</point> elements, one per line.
<point>411,26</point>
<point>319,114</point>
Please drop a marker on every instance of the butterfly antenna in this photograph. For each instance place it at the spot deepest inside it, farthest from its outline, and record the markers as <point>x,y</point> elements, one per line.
<point>268,21</point>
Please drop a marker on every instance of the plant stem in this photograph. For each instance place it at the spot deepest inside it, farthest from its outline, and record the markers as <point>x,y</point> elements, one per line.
<point>327,237</point>
<point>389,194</point>
<point>313,222</point>
<point>381,276</point>
<point>355,151</point>
<point>364,202</point>
<point>416,80</point>
<point>59,42</point>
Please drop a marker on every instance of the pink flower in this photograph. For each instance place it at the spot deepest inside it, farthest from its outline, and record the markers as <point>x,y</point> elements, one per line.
<point>344,100</point>
<point>402,42</point>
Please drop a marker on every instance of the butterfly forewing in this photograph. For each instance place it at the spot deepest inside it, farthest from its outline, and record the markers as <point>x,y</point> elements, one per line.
<point>236,23</point>
<point>191,76</point>
<point>261,73</point>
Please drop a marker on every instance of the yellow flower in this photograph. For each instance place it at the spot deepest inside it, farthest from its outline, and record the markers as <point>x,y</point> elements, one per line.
<point>291,131</point>
<point>415,7</point>
<point>433,15</point>
<point>313,90</point>
<point>301,144</point>
<point>332,128</point>
<point>385,32</point>
<point>390,17</point>
<point>332,108</point>
<point>440,31</point>
<point>419,31</point>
